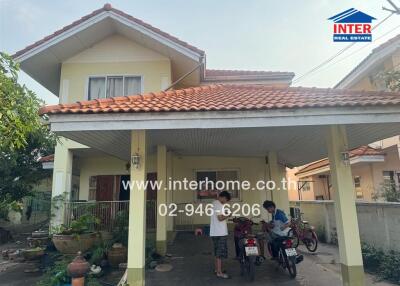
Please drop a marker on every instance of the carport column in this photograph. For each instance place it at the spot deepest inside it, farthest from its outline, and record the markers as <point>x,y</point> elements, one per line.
<point>137,211</point>
<point>345,208</point>
<point>170,219</point>
<point>279,195</point>
<point>161,233</point>
<point>62,176</point>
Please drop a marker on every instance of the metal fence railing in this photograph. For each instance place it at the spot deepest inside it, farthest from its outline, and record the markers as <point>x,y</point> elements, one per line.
<point>107,212</point>
<point>183,222</point>
<point>36,210</point>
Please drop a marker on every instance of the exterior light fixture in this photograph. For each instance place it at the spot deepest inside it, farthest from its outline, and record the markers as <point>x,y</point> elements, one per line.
<point>346,158</point>
<point>135,160</point>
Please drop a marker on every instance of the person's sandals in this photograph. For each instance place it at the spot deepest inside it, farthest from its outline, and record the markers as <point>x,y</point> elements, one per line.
<point>223,276</point>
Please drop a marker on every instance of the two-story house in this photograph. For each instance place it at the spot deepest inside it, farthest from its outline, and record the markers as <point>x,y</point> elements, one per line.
<point>139,104</point>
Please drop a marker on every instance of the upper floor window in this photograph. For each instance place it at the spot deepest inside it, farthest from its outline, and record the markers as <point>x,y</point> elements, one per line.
<point>111,86</point>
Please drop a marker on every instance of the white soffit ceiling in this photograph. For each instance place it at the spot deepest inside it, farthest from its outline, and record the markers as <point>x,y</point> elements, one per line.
<point>295,145</point>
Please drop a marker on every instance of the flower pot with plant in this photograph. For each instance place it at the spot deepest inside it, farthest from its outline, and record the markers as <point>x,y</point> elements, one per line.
<point>78,236</point>
<point>15,212</point>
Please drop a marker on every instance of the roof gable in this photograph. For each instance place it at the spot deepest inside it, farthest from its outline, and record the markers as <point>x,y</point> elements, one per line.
<point>42,60</point>
<point>108,11</point>
<point>376,57</point>
<point>123,50</point>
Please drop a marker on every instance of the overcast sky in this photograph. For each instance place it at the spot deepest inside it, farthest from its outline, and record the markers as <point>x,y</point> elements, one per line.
<point>254,34</point>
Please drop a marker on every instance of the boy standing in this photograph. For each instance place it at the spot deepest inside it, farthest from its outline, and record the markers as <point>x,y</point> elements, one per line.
<point>219,232</point>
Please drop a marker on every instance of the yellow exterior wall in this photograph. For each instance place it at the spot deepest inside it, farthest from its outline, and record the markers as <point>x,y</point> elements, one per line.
<point>389,64</point>
<point>250,169</point>
<point>113,56</point>
<point>105,165</point>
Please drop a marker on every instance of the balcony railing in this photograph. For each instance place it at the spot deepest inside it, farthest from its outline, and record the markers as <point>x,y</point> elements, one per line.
<point>107,213</point>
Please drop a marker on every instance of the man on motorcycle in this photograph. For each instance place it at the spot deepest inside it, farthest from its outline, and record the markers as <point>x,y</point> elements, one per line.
<point>278,227</point>
<point>219,232</point>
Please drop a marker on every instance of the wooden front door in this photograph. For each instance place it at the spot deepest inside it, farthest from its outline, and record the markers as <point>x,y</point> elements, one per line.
<point>104,192</point>
<point>104,188</point>
<point>151,200</point>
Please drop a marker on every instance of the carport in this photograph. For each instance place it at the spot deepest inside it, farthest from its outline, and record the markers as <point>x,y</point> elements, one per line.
<point>280,126</point>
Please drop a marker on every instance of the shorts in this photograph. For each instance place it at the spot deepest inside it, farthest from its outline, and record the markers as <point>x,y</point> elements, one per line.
<point>220,246</point>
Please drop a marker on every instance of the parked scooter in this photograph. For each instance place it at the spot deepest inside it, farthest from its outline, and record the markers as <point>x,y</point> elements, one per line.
<point>287,256</point>
<point>249,247</point>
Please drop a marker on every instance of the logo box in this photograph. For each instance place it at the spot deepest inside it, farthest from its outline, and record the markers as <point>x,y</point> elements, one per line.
<point>352,25</point>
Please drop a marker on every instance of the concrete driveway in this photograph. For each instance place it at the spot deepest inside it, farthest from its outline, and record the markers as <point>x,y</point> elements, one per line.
<point>193,265</point>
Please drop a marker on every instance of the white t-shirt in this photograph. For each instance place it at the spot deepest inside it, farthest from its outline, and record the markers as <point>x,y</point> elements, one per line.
<point>217,227</point>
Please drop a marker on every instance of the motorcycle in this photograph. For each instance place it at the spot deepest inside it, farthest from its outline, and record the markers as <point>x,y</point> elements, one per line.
<point>287,256</point>
<point>249,247</point>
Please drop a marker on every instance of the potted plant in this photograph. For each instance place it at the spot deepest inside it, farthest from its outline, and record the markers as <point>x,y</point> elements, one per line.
<point>15,212</point>
<point>76,237</point>
<point>118,252</point>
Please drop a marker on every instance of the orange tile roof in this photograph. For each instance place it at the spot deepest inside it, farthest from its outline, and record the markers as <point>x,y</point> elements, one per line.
<point>228,97</point>
<point>108,7</point>
<point>212,75</point>
<point>48,158</point>
<point>213,72</point>
<point>359,151</point>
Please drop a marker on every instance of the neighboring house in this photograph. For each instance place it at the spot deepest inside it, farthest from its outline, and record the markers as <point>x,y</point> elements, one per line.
<point>367,75</point>
<point>370,168</point>
<point>369,176</point>
<point>136,102</point>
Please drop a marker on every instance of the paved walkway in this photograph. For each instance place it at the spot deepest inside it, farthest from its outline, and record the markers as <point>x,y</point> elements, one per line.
<point>193,265</point>
<point>12,273</point>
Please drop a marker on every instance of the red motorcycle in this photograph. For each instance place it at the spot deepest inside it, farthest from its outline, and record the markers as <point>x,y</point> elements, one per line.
<point>286,254</point>
<point>249,247</point>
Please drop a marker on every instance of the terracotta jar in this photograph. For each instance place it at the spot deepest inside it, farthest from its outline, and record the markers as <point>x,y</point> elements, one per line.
<point>78,267</point>
<point>116,255</point>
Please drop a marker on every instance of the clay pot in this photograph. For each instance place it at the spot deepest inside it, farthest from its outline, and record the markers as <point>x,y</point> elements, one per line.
<point>40,234</point>
<point>116,255</point>
<point>79,267</point>
<point>71,244</point>
<point>32,254</point>
<point>106,236</point>
<point>14,217</point>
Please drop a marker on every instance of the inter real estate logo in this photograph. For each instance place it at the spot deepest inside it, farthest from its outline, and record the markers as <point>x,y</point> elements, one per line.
<point>352,26</point>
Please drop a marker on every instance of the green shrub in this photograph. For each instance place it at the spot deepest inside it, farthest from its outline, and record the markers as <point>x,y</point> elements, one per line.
<point>55,275</point>
<point>384,264</point>
<point>121,227</point>
<point>390,266</point>
<point>372,257</point>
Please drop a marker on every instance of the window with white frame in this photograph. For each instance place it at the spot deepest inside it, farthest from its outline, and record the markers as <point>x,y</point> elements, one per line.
<point>112,86</point>
<point>388,179</point>
<point>228,178</point>
<point>357,182</point>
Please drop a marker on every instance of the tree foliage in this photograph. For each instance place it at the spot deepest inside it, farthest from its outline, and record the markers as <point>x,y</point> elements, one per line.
<point>23,139</point>
<point>391,79</point>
